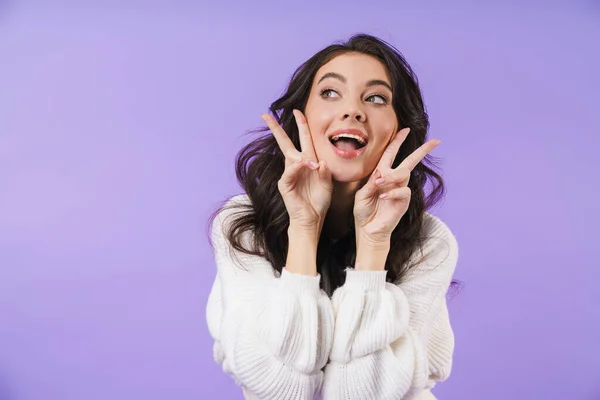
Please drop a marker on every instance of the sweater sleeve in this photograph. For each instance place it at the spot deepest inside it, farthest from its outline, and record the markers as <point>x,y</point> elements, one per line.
<point>394,341</point>
<point>271,333</point>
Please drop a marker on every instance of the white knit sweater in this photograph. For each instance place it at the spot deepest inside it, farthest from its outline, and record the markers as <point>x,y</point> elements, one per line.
<point>282,337</point>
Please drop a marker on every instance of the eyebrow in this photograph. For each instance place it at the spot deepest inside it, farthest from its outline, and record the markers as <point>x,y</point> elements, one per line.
<point>372,82</point>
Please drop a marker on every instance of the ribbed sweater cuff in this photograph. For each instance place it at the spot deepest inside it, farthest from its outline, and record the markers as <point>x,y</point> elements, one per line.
<point>301,284</point>
<point>365,280</point>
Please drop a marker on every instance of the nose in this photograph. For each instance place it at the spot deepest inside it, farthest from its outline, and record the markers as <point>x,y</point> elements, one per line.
<point>355,112</point>
<point>357,115</point>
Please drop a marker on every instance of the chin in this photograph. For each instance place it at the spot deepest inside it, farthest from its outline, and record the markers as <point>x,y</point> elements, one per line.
<point>344,175</point>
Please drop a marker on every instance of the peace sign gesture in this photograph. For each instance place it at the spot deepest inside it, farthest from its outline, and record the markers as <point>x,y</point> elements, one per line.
<point>383,200</point>
<point>305,185</point>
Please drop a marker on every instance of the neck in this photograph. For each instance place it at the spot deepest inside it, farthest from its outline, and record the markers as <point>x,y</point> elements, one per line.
<point>337,222</point>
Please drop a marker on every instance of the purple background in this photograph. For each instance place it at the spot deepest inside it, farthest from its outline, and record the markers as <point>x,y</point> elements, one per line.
<point>118,128</point>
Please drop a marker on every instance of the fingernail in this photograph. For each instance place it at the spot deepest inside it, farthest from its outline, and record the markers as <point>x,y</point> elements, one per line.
<point>383,196</point>
<point>379,181</point>
<point>313,164</point>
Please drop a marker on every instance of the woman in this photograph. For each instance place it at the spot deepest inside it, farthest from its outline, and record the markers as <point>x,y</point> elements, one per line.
<point>331,277</point>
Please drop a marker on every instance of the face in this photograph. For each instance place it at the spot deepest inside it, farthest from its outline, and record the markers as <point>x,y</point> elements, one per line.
<point>350,115</point>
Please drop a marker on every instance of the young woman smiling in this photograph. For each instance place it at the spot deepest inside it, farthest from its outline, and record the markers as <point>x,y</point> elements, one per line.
<point>331,275</point>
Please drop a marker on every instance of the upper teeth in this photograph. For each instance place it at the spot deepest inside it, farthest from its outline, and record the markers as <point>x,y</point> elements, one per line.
<point>347,135</point>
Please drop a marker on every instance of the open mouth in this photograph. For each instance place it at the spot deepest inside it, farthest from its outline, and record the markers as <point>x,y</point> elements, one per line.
<point>348,142</point>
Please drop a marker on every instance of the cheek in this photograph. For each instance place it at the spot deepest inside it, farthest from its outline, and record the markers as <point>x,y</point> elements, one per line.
<point>315,120</point>
<point>390,124</point>
<point>387,129</point>
<point>317,126</point>
<point>316,134</point>
<point>319,144</point>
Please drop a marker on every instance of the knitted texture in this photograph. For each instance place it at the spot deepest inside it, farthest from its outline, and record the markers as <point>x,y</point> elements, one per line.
<point>282,337</point>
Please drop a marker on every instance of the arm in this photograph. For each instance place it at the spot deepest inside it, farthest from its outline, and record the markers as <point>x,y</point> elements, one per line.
<point>272,334</point>
<point>393,341</point>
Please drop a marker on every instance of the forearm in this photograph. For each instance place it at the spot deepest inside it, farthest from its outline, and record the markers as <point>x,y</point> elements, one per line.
<point>402,328</point>
<point>302,251</point>
<point>413,359</point>
<point>278,339</point>
<point>370,316</point>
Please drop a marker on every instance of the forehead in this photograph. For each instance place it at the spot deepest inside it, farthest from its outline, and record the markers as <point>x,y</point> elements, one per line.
<point>356,67</point>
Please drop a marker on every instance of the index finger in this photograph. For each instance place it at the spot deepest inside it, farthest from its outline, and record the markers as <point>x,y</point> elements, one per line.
<point>283,140</point>
<point>419,154</point>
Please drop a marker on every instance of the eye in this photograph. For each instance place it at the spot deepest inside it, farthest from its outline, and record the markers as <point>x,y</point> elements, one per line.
<point>380,99</point>
<point>328,93</point>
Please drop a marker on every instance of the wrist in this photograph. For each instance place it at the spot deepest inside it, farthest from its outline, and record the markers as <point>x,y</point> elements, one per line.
<point>371,259</point>
<point>304,232</point>
<point>371,255</point>
<point>369,242</point>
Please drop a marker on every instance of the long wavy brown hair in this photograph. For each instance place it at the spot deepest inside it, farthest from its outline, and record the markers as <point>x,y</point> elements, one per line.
<point>260,164</point>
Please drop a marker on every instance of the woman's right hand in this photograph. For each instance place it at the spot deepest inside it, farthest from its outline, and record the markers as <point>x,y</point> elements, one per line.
<point>305,185</point>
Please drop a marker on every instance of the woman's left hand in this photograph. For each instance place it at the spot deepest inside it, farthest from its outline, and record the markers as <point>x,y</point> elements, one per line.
<point>383,200</point>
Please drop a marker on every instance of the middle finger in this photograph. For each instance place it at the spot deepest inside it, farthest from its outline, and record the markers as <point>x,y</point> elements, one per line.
<point>283,140</point>
<point>306,143</point>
